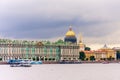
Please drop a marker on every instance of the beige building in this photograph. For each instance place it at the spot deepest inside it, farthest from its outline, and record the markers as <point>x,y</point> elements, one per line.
<point>89,54</point>
<point>105,53</point>
<point>70,52</point>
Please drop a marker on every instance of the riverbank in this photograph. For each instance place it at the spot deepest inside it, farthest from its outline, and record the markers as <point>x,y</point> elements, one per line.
<point>81,62</point>
<point>2,63</point>
<point>71,62</point>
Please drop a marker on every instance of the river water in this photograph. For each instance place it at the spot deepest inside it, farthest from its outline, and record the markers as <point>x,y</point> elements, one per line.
<point>61,72</point>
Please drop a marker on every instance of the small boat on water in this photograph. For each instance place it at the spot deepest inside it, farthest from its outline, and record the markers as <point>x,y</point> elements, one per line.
<point>36,62</point>
<point>20,63</point>
<point>25,63</point>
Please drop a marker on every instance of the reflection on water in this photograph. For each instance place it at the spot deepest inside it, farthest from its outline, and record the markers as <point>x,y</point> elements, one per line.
<point>61,72</point>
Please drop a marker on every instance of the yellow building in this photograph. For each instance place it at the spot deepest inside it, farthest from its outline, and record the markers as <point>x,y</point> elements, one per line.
<point>89,54</point>
<point>105,53</point>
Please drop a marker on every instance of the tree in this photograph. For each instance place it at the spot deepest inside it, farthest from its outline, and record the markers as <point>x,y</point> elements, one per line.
<point>50,59</point>
<point>0,59</point>
<point>82,56</point>
<point>48,42</point>
<point>37,58</point>
<point>46,59</point>
<point>92,58</point>
<point>86,59</point>
<point>42,59</point>
<point>110,58</point>
<point>118,54</point>
<point>87,48</point>
<point>53,59</point>
<point>33,58</point>
<point>59,42</point>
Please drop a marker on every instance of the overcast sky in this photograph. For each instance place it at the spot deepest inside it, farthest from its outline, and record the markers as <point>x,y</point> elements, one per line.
<point>97,20</point>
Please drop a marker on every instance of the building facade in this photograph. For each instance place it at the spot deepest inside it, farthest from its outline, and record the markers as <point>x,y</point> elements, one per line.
<point>67,50</point>
<point>70,53</point>
<point>105,53</point>
<point>36,50</point>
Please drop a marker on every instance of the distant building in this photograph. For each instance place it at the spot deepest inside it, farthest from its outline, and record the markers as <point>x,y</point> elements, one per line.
<point>70,52</point>
<point>18,49</point>
<point>105,53</point>
<point>89,54</point>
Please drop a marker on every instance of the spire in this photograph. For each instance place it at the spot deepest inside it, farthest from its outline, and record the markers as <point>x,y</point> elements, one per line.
<point>105,46</point>
<point>70,28</point>
<point>80,38</point>
<point>81,45</point>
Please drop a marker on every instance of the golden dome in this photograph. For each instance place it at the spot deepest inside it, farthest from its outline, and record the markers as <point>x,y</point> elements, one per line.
<point>70,32</point>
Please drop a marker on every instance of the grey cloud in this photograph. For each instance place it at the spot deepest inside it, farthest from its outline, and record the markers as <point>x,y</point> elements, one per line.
<point>50,18</point>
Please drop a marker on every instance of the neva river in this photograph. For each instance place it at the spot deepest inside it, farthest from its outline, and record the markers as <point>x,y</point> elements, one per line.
<point>61,72</point>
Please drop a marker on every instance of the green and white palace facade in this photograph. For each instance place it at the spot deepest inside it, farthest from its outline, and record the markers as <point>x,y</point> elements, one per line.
<point>38,50</point>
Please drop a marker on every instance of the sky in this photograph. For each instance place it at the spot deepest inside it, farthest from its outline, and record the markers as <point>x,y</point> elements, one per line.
<point>97,20</point>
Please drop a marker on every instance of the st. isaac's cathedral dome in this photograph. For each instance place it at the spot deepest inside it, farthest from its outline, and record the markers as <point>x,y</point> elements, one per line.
<point>70,36</point>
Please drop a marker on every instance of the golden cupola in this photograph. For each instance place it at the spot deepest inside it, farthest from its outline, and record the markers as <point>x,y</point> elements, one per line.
<point>70,32</point>
<point>70,36</point>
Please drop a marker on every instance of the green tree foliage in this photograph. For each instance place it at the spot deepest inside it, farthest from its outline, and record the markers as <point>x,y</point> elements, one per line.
<point>59,42</point>
<point>87,48</point>
<point>92,58</point>
<point>118,54</point>
<point>42,59</point>
<point>53,59</point>
<point>48,42</point>
<point>0,59</point>
<point>33,58</point>
<point>46,59</point>
<point>50,59</point>
<point>110,58</point>
<point>82,56</point>
<point>37,58</point>
<point>86,59</point>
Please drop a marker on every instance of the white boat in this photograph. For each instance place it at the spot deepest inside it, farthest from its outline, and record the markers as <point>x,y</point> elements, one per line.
<point>35,62</point>
<point>23,63</point>
<point>15,64</point>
